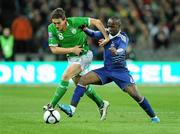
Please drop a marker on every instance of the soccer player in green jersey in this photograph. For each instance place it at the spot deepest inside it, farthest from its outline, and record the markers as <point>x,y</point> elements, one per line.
<point>66,37</point>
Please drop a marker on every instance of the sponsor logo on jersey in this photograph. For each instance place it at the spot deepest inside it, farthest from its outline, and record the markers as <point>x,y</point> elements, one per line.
<point>112,44</point>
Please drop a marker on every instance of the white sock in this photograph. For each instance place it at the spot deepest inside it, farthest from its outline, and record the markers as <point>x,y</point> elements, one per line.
<point>73,109</point>
<point>154,117</point>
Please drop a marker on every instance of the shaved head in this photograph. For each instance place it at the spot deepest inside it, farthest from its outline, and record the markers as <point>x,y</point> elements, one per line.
<point>114,25</point>
<point>115,20</point>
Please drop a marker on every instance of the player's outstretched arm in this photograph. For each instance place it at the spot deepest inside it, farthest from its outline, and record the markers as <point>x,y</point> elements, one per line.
<point>59,50</point>
<point>100,26</point>
<point>92,33</point>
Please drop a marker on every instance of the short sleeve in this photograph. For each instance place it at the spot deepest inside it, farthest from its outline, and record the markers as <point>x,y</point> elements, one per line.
<point>79,21</point>
<point>52,39</point>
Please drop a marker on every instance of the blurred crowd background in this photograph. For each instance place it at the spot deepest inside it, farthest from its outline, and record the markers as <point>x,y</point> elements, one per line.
<point>153,27</point>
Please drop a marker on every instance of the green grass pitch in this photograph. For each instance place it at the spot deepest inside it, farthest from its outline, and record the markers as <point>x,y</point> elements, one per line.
<point>21,111</point>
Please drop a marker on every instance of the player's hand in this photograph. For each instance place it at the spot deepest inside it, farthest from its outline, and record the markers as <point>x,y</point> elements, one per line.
<point>83,27</point>
<point>103,42</point>
<point>113,51</point>
<point>77,50</point>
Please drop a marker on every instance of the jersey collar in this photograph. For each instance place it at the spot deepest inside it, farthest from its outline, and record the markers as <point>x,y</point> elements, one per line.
<point>111,36</point>
<point>67,23</point>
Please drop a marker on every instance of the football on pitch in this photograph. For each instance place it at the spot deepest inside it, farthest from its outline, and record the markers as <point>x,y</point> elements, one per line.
<point>51,116</point>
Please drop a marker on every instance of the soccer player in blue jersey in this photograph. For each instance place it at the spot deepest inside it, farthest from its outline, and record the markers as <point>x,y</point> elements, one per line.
<point>114,70</point>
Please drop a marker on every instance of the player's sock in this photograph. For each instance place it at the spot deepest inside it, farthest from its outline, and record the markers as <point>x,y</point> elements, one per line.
<point>147,107</point>
<point>93,95</point>
<point>78,93</point>
<point>60,91</point>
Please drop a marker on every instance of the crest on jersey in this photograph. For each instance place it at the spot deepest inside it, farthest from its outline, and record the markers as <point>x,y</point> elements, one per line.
<point>73,30</point>
<point>60,36</point>
<point>112,44</point>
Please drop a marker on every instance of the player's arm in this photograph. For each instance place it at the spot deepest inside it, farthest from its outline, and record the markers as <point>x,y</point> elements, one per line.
<point>54,47</point>
<point>100,26</point>
<point>92,33</point>
<point>60,50</point>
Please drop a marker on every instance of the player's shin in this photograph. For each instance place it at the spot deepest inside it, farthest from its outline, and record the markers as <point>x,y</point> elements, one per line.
<point>147,107</point>
<point>60,91</point>
<point>78,93</point>
<point>93,95</point>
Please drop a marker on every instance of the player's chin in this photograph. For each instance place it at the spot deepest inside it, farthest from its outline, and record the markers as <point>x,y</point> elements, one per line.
<point>112,33</point>
<point>59,28</point>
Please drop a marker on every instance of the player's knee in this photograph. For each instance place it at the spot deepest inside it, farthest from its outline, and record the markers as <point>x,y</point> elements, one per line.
<point>82,81</point>
<point>137,97</point>
<point>133,92</point>
<point>66,77</point>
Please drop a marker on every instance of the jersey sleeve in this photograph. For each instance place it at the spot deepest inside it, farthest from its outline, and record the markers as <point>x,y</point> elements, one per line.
<point>52,39</point>
<point>79,21</point>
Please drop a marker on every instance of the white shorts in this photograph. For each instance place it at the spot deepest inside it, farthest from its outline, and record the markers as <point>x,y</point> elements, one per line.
<point>84,60</point>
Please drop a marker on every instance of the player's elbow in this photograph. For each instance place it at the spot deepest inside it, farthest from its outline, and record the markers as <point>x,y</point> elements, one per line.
<point>53,50</point>
<point>95,21</point>
<point>98,21</point>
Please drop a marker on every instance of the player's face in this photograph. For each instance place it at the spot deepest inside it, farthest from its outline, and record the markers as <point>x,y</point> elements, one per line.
<point>113,27</point>
<point>59,24</point>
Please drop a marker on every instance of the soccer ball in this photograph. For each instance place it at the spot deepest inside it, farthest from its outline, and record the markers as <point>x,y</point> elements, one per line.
<point>51,116</point>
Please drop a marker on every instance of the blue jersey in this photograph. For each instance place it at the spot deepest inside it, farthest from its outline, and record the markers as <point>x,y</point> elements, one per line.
<point>115,68</point>
<point>120,42</point>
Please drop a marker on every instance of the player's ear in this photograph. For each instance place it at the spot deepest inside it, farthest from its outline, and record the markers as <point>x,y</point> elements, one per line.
<point>65,21</point>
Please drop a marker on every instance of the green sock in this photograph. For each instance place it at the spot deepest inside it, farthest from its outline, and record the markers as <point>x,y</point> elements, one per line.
<point>93,95</point>
<point>60,91</point>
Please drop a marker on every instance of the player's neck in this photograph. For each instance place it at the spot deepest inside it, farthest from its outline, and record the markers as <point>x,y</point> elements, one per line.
<point>65,27</point>
<point>113,36</point>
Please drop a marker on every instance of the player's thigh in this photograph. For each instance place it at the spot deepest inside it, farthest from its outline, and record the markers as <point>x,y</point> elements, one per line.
<point>84,60</point>
<point>122,79</point>
<point>71,71</point>
<point>90,78</point>
<point>103,75</point>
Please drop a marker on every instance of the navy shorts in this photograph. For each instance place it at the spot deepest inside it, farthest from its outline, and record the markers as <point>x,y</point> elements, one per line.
<point>121,77</point>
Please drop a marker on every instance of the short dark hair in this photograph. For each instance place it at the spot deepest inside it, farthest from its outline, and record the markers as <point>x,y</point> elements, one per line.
<point>58,13</point>
<point>116,19</point>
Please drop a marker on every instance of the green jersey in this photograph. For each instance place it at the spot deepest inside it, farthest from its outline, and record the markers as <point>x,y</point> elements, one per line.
<point>7,45</point>
<point>72,36</point>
